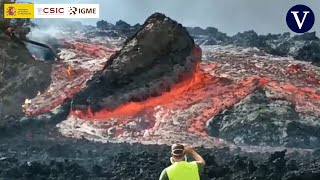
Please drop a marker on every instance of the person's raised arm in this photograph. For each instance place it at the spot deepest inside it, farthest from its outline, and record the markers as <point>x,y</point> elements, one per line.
<point>189,150</point>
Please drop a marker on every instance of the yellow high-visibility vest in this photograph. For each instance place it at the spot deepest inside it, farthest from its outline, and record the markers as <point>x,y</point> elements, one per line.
<point>183,171</point>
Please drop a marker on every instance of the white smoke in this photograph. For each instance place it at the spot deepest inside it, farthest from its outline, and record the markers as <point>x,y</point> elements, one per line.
<point>43,36</point>
<point>47,32</point>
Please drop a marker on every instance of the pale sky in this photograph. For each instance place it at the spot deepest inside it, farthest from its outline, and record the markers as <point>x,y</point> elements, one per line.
<point>229,16</point>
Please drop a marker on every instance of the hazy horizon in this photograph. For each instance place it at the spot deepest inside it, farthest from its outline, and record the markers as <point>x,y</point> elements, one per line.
<point>228,16</point>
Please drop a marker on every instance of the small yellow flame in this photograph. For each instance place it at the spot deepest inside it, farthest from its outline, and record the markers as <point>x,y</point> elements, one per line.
<point>27,101</point>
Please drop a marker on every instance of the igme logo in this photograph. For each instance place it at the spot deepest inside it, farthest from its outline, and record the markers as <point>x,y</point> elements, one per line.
<point>75,10</point>
<point>300,18</point>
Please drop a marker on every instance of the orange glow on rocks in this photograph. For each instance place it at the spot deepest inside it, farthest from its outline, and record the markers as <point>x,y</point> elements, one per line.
<point>89,49</point>
<point>198,80</point>
<point>294,68</point>
<point>69,71</point>
<point>213,87</point>
<point>66,82</point>
<point>218,93</point>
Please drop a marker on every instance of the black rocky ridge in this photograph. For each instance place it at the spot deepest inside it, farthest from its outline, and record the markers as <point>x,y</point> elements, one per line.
<point>120,29</point>
<point>151,60</point>
<point>305,47</point>
<point>302,47</point>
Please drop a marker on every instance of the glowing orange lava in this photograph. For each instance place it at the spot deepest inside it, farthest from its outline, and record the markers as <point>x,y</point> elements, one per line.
<point>89,49</point>
<point>69,71</point>
<point>197,80</point>
<point>199,97</point>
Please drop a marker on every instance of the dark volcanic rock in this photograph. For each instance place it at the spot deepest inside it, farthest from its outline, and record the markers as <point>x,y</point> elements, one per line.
<point>50,157</point>
<point>104,25</point>
<point>246,39</point>
<point>304,47</point>
<point>95,33</point>
<point>153,59</point>
<point>21,77</point>
<point>256,120</point>
<point>121,28</point>
<point>208,36</point>
<point>122,25</point>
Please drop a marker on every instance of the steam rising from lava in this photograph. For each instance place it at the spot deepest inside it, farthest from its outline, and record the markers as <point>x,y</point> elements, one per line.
<point>43,36</point>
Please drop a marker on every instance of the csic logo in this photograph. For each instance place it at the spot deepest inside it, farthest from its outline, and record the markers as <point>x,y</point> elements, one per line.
<point>300,18</point>
<point>10,11</point>
<point>75,10</point>
<point>50,11</point>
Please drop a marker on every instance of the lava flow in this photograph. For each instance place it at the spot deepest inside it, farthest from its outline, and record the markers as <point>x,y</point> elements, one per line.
<point>68,78</point>
<point>226,76</point>
<point>182,113</point>
<point>197,80</point>
<point>215,93</point>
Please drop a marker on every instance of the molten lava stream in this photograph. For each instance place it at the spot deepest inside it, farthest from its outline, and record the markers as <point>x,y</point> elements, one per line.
<point>198,80</point>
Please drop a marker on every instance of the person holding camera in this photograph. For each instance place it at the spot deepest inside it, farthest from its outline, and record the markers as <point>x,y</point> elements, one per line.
<point>181,169</point>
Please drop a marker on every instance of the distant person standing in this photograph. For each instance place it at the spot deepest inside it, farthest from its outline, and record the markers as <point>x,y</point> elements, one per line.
<point>180,168</point>
<point>10,31</point>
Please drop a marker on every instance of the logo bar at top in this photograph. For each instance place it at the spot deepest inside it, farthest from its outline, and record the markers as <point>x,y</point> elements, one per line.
<point>66,10</point>
<point>18,11</point>
<point>51,11</point>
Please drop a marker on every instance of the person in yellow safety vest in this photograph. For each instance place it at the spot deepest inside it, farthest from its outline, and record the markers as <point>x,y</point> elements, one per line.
<point>180,168</point>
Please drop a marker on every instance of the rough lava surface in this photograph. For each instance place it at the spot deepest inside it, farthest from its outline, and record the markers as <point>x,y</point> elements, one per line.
<point>303,47</point>
<point>159,93</point>
<point>151,61</point>
<point>21,76</point>
<point>242,103</point>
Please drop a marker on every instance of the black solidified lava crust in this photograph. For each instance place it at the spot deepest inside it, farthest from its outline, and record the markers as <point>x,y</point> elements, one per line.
<point>257,120</point>
<point>44,154</point>
<point>151,60</point>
